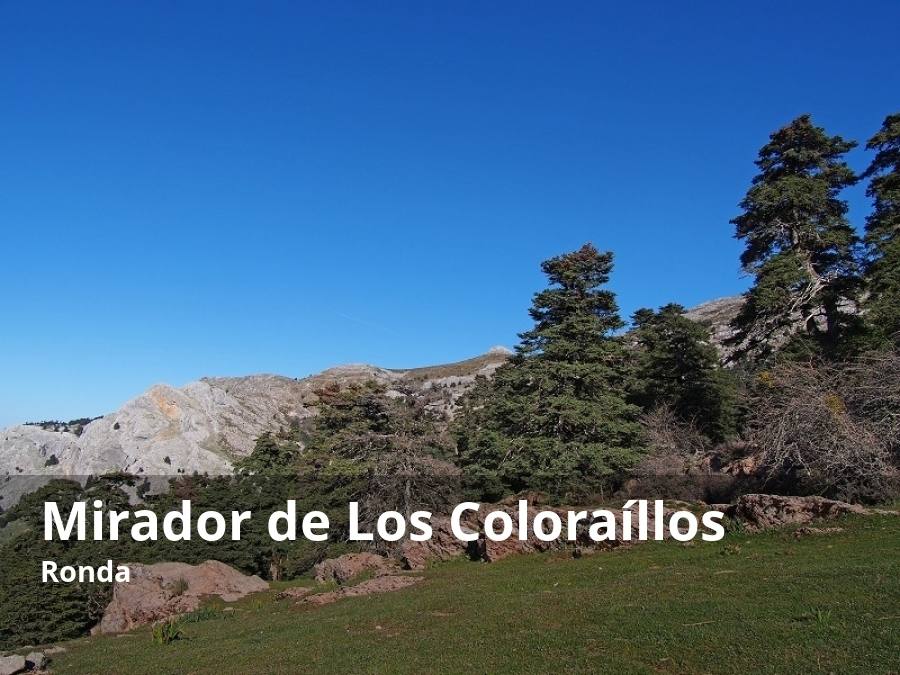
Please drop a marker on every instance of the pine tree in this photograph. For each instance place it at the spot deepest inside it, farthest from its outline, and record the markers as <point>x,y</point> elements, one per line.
<point>392,445</point>
<point>882,228</point>
<point>799,244</point>
<point>555,417</point>
<point>678,367</point>
<point>270,455</point>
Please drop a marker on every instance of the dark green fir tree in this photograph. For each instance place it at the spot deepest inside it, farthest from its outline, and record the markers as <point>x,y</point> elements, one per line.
<point>678,367</point>
<point>800,247</point>
<point>555,417</point>
<point>882,230</point>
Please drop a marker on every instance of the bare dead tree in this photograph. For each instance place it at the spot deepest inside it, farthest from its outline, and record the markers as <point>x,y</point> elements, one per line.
<point>830,429</point>
<point>673,466</point>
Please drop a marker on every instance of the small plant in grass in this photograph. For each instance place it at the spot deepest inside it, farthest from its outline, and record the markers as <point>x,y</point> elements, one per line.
<point>818,616</point>
<point>735,527</point>
<point>206,614</point>
<point>822,616</point>
<point>166,632</point>
<point>731,549</point>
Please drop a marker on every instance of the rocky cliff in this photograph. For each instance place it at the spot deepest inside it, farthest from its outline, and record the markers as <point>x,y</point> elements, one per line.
<point>717,315</point>
<point>206,425</point>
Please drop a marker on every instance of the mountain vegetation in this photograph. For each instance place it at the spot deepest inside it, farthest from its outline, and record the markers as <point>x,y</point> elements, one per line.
<point>799,245</point>
<point>883,233</point>
<point>556,417</point>
<point>587,409</point>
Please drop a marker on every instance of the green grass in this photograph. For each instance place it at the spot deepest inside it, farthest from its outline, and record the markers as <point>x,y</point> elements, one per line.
<point>760,603</point>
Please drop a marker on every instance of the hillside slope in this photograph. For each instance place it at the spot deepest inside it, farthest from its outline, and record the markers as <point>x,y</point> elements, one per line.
<point>768,602</point>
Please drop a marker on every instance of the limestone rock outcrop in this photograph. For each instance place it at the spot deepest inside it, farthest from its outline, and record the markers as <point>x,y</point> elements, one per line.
<point>204,426</point>
<point>167,589</point>
<point>383,584</point>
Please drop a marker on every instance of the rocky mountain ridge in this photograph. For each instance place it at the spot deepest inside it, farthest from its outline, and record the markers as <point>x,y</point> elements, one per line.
<point>206,425</point>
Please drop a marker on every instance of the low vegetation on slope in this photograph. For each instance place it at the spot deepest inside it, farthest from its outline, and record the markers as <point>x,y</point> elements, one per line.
<point>771,602</point>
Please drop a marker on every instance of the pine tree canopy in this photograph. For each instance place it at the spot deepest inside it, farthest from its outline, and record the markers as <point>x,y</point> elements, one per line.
<point>679,368</point>
<point>882,227</point>
<point>800,247</point>
<point>555,417</point>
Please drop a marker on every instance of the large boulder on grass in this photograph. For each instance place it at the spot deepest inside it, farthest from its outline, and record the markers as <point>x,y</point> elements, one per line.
<point>350,565</point>
<point>36,660</point>
<point>763,512</point>
<point>167,589</point>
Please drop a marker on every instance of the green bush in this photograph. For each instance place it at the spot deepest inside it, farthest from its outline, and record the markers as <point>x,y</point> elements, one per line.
<point>168,631</point>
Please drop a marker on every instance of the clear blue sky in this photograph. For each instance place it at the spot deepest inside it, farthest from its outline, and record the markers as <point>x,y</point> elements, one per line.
<point>192,189</point>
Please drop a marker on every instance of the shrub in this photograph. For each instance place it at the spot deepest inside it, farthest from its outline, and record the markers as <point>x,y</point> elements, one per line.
<point>179,586</point>
<point>168,631</point>
<point>830,429</point>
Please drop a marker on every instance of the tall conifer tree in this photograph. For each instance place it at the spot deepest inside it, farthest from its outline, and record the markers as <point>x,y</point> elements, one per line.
<point>883,231</point>
<point>555,417</point>
<point>678,367</point>
<point>799,244</point>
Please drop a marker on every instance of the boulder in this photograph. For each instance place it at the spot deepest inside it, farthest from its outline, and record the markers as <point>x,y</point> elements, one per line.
<point>350,565</point>
<point>763,512</point>
<point>443,545</point>
<point>492,551</point>
<point>9,665</point>
<point>167,589</point>
<point>36,660</point>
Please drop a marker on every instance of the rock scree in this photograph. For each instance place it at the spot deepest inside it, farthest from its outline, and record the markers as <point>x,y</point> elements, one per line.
<point>350,565</point>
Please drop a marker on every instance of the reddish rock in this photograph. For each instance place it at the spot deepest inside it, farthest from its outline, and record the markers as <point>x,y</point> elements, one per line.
<point>492,551</point>
<point>763,512</point>
<point>167,589</point>
<point>295,593</point>
<point>350,565</point>
<point>443,545</point>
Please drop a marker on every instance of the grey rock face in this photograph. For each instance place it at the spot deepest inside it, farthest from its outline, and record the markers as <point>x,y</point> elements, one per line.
<point>201,427</point>
<point>29,456</point>
<point>718,314</point>
<point>206,425</point>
